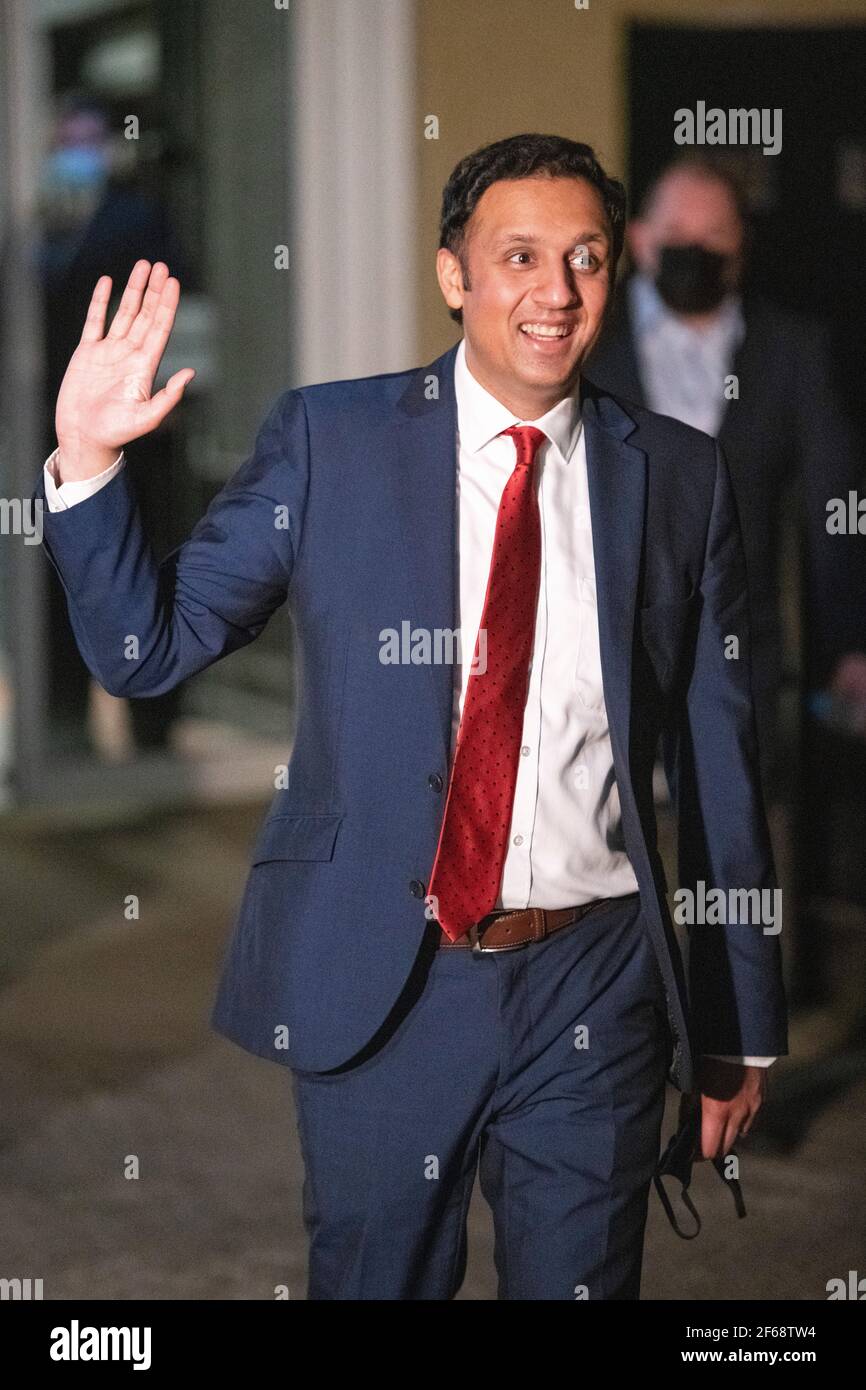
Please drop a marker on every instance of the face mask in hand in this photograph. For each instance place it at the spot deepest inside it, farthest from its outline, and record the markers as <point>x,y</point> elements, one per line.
<point>691,279</point>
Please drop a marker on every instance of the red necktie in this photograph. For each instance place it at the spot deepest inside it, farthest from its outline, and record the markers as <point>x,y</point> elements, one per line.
<point>467,870</point>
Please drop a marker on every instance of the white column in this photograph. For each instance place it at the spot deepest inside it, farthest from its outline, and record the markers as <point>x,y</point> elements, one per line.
<point>24,101</point>
<point>353,199</point>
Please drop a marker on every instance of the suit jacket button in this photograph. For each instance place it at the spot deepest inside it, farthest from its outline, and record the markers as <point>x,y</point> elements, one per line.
<point>435,782</point>
<point>416,888</point>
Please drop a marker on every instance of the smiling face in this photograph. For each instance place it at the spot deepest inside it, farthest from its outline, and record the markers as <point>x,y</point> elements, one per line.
<point>537,255</point>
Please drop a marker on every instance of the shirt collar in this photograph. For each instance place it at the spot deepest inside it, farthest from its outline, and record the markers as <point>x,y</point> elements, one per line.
<point>649,311</point>
<point>480,416</point>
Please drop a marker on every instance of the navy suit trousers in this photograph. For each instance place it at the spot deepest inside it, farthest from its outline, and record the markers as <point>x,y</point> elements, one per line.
<point>541,1068</point>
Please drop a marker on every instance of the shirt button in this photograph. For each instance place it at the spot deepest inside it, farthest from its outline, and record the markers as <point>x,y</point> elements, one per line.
<point>434,781</point>
<point>416,888</point>
<point>518,840</point>
<point>525,750</point>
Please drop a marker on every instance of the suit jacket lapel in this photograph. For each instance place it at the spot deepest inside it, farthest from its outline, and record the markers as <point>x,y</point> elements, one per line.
<point>617,474</point>
<point>424,469</point>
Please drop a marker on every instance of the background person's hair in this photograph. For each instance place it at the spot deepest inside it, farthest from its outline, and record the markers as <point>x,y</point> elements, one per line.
<point>703,166</point>
<point>521,157</point>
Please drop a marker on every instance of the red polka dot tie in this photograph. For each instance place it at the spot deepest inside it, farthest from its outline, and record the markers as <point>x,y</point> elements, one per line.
<point>467,870</point>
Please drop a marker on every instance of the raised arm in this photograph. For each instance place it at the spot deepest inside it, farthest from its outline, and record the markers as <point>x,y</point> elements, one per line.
<point>142,627</point>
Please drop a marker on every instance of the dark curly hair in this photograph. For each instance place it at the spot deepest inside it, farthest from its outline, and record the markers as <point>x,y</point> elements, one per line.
<point>520,157</point>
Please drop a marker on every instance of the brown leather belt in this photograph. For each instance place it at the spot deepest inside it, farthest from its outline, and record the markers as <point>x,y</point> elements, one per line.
<point>507,930</point>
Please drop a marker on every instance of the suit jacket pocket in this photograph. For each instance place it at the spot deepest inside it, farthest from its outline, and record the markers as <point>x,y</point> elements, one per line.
<point>297,837</point>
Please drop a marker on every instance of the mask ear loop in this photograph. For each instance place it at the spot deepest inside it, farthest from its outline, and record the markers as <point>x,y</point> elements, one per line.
<point>677,1161</point>
<point>687,1203</point>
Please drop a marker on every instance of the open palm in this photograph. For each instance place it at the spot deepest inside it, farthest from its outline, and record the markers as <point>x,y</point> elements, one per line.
<point>105,398</point>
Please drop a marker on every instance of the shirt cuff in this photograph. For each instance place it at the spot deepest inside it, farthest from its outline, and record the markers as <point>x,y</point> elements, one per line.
<point>743,1061</point>
<point>60,497</point>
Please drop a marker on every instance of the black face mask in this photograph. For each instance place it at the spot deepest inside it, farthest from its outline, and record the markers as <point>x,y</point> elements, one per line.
<point>691,279</point>
<point>677,1160</point>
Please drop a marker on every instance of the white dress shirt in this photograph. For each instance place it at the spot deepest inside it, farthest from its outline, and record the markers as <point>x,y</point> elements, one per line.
<point>684,369</point>
<point>565,840</point>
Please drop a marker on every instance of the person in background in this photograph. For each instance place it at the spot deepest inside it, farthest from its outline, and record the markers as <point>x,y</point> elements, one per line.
<point>91,220</point>
<point>685,341</point>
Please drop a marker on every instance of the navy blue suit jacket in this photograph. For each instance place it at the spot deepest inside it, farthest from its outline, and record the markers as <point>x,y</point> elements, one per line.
<point>346,509</point>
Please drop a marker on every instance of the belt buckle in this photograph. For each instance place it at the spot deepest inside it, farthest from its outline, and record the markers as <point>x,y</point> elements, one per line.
<point>479,949</point>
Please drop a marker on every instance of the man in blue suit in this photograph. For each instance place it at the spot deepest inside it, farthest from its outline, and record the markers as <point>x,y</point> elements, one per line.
<point>507,586</point>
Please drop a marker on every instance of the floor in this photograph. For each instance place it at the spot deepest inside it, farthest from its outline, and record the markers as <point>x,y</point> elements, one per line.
<point>110,1069</point>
